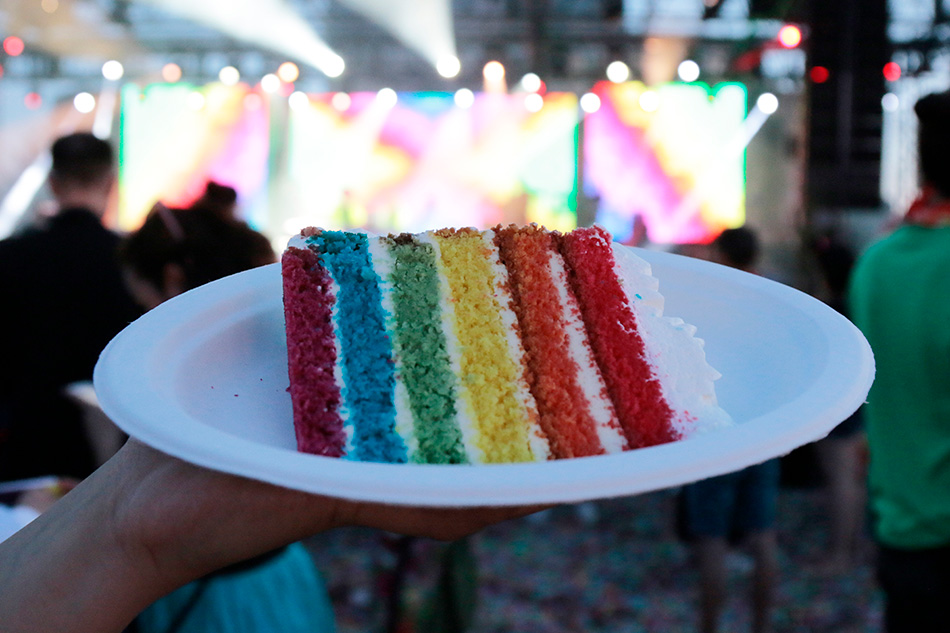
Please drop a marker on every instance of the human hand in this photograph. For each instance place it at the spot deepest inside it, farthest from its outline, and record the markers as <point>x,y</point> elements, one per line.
<point>191,520</point>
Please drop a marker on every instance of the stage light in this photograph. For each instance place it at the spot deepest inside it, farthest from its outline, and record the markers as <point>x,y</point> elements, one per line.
<point>84,102</point>
<point>229,76</point>
<point>387,97</point>
<point>767,103</point>
<point>464,98</point>
<point>649,101</point>
<point>618,72</point>
<point>112,70</point>
<point>892,71</point>
<point>171,73</point>
<point>790,36</point>
<point>298,100</point>
<point>819,74</point>
<point>195,100</point>
<point>13,46</point>
<point>688,71</point>
<point>32,100</point>
<point>890,102</point>
<point>334,66</point>
<point>288,72</point>
<point>49,6</point>
<point>341,101</point>
<point>493,72</point>
<point>533,102</point>
<point>590,103</point>
<point>531,83</point>
<point>448,66</point>
<point>270,83</point>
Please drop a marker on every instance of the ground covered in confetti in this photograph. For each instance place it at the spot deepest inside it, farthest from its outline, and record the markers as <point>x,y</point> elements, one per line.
<point>614,565</point>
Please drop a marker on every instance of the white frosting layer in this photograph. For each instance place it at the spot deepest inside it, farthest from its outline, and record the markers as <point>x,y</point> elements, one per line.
<point>675,354</point>
<point>540,447</point>
<point>467,426</point>
<point>588,375</point>
<point>382,262</point>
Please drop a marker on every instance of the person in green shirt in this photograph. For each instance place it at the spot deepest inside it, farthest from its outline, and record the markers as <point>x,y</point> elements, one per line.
<point>899,296</point>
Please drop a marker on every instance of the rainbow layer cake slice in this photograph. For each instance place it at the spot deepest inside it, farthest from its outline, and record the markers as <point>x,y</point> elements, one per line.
<point>463,346</point>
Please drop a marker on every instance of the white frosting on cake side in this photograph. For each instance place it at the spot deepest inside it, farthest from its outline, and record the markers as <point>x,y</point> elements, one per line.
<point>540,447</point>
<point>466,425</point>
<point>675,354</point>
<point>382,262</point>
<point>588,375</point>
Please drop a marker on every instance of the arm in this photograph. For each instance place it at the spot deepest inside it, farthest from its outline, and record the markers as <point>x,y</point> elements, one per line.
<point>146,523</point>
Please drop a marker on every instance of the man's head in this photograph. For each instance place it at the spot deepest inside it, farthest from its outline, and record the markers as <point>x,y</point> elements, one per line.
<point>933,114</point>
<point>738,248</point>
<point>83,169</point>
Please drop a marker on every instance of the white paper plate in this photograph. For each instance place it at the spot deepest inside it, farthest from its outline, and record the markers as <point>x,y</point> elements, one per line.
<point>204,377</point>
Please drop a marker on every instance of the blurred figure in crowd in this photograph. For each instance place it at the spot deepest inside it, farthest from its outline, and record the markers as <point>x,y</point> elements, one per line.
<point>900,298</point>
<point>842,455</point>
<point>736,508</point>
<point>63,300</point>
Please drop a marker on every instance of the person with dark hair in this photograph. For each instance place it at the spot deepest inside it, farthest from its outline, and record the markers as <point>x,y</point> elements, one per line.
<point>899,296</point>
<point>738,507</point>
<point>63,300</point>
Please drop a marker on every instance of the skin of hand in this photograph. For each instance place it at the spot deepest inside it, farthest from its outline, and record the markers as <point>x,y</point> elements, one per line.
<point>146,523</point>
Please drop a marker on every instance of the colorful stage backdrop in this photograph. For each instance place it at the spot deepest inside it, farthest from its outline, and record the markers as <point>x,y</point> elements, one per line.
<point>422,161</point>
<point>666,154</point>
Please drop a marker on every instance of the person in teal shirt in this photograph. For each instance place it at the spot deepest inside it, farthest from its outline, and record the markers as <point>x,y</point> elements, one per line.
<point>899,296</point>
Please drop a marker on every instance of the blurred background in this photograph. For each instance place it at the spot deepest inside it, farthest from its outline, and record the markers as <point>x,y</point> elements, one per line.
<point>665,121</point>
<point>689,116</point>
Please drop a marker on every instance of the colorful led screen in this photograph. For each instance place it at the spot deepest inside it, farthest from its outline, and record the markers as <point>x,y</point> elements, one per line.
<point>176,137</point>
<point>418,161</point>
<point>671,155</point>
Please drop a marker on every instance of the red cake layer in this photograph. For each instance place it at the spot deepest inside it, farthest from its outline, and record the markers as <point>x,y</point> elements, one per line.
<point>616,343</point>
<point>563,408</point>
<point>311,354</point>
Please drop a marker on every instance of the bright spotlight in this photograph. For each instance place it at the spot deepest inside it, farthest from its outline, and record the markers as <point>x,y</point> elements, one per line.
<point>333,66</point>
<point>531,83</point>
<point>171,72</point>
<point>448,66</point>
<point>533,102</point>
<point>229,76</point>
<point>387,97</point>
<point>618,72</point>
<point>84,102</point>
<point>288,72</point>
<point>113,70</point>
<point>341,102</point>
<point>590,103</point>
<point>493,71</point>
<point>270,83</point>
<point>767,103</point>
<point>688,71</point>
<point>890,102</point>
<point>464,98</point>
<point>298,100</point>
<point>790,36</point>
<point>649,101</point>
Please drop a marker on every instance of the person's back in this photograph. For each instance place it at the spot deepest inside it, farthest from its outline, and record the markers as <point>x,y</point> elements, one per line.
<point>64,299</point>
<point>900,299</point>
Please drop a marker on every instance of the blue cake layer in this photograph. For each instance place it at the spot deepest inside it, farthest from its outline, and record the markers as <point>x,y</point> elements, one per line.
<point>366,349</point>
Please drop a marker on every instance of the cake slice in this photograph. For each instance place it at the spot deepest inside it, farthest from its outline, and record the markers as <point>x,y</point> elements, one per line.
<point>466,346</point>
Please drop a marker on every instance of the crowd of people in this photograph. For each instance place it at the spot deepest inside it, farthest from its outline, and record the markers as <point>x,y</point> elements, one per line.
<point>145,542</point>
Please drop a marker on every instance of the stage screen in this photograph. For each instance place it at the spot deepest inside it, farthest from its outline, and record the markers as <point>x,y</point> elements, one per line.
<point>176,137</point>
<point>670,154</point>
<point>416,161</point>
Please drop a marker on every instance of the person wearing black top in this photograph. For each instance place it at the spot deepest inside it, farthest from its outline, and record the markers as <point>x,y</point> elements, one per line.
<point>62,298</point>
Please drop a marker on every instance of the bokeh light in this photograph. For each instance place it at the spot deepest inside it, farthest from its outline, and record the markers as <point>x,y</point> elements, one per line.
<point>171,72</point>
<point>84,102</point>
<point>618,72</point>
